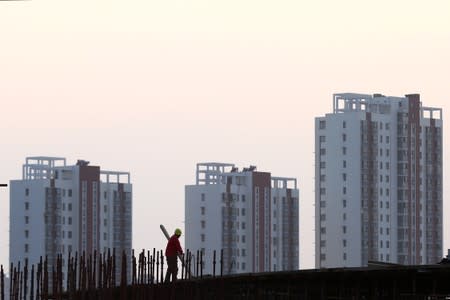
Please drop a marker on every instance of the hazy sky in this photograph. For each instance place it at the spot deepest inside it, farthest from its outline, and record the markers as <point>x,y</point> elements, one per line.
<point>153,87</point>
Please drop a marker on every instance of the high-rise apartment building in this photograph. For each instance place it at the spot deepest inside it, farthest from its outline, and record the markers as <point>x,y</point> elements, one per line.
<point>250,215</point>
<point>378,181</point>
<point>57,209</point>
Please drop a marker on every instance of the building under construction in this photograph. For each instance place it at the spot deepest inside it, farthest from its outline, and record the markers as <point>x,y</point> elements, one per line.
<point>94,277</point>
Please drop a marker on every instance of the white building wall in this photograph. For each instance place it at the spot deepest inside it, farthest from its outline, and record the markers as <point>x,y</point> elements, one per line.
<point>35,226</point>
<point>209,237</point>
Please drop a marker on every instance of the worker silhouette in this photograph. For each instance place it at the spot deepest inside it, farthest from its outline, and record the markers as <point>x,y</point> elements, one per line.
<point>173,249</point>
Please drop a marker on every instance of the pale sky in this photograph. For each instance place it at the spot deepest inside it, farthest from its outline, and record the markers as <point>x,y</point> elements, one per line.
<point>153,87</point>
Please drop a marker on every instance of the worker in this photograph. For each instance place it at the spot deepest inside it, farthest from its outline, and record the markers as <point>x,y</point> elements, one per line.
<point>173,249</point>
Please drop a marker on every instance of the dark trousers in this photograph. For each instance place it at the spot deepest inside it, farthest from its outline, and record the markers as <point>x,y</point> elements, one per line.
<point>172,268</point>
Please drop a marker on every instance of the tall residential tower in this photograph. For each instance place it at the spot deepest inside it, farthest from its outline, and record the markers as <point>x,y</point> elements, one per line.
<point>251,215</point>
<point>378,181</point>
<point>57,209</point>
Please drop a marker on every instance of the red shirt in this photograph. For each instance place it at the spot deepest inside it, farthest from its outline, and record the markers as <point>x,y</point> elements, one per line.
<point>173,246</point>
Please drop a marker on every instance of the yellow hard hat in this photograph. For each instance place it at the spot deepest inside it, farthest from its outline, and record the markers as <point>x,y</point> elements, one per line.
<point>178,231</point>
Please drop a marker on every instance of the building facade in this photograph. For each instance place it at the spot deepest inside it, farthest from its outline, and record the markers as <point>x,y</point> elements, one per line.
<point>250,215</point>
<point>60,209</point>
<point>378,181</point>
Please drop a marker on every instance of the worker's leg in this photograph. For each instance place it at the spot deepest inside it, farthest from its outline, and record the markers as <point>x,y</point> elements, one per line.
<point>172,268</point>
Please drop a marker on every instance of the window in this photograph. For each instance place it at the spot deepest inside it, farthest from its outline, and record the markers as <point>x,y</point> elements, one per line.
<point>387,244</point>
<point>387,231</point>
<point>27,205</point>
<point>202,224</point>
<point>69,234</point>
<point>26,248</point>
<point>323,217</point>
<point>243,252</point>
<point>243,239</point>
<point>70,192</point>
<point>344,150</point>
<point>243,198</point>
<point>344,256</point>
<point>344,124</point>
<point>322,165</point>
<point>344,216</point>
<point>387,152</point>
<point>387,139</point>
<point>323,243</point>
<point>105,222</point>
<point>344,203</point>
<point>344,190</point>
<point>243,211</point>
<point>323,256</point>
<point>344,243</point>
<point>344,137</point>
<point>322,191</point>
<point>344,164</point>
<point>322,151</point>
<point>243,225</point>
<point>26,233</point>
<point>203,197</point>
<point>381,244</point>
<point>27,219</point>
<point>381,230</point>
<point>69,207</point>
<point>322,177</point>
<point>105,236</point>
<point>344,176</point>
<point>274,227</point>
<point>323,204</point>
<point>105,208</point>
<point>243,266</point>
<point>344,229</point>
<point>322,138</point>
<point>202,209</point>
<point>322,125</point>
<point>323,230</point>
<point>27,192</point>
